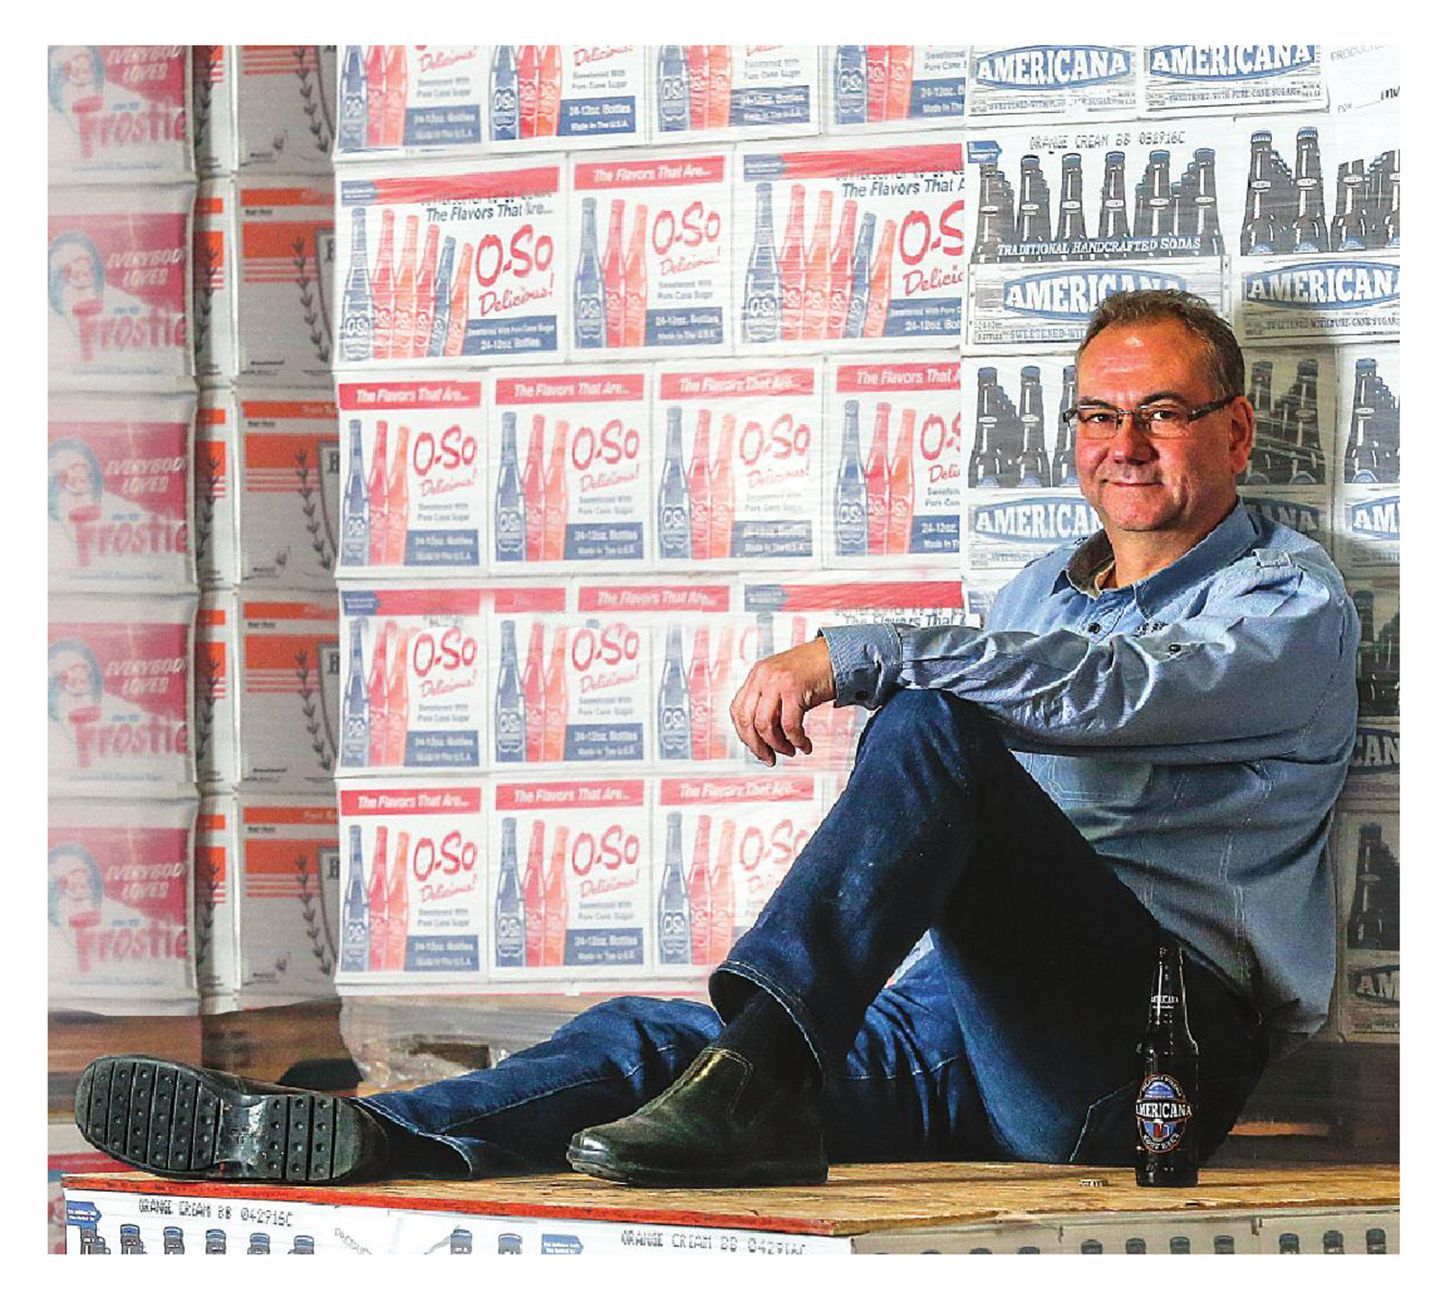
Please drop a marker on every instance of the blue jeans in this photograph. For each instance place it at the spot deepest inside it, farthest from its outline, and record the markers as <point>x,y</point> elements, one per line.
<point>1013,1039</point>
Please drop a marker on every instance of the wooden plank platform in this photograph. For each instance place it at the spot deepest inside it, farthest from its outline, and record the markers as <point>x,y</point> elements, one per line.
<point>856,1200</point>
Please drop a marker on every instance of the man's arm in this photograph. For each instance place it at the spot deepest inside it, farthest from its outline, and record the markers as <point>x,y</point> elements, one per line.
<point>1271,645</point>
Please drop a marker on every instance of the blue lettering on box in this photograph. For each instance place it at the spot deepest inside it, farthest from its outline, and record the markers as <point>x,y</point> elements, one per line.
<point>1034,522</point>
<point>442,547</point>
<point>938,316</point>
<point>1072,294</point>
<point>359,603</point>
<point>939,534</point>
<point>764,596</point>
<point>84,1214</point>
<point>1052,67</point>
<point>779,539</point>
<point>610,115</point>
<point>511,336</point>
<point>605,541</point>
<point>789,105</point>
<point>942,97</point>
<point>604,742</point>
<point>442,953</point>
<point>1376,751</point>
<point>1379,517</point>
<point>459,124</point>
<point>1329,286</point>
<point>763,166</point>
<point>1298,516</point>
<point>1228,62</point>
<point>698,325</point>
<point>605,946</point>
<point>442,749</point>
<point>357,192</point>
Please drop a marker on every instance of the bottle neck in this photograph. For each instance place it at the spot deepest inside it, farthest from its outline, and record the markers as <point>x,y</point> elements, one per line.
<point>1167,997</point>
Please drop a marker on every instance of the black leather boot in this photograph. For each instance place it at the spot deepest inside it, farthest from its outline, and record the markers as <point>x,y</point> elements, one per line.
<point>199,1124</point>
<point>719,1125</point>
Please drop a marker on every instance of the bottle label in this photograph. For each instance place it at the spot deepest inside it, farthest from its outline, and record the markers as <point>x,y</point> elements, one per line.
<point>430,919</point>
<point>1162,1113</point>
<point>901,267</point>
<point>911,503</point>
<point>583,870</point>
<point>432,503</point>
<point>667,248</point>
<point>585,440</point>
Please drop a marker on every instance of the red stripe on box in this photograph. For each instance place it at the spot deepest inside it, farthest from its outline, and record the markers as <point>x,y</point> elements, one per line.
<point>540,796</point>
<point>383,396</point>
<point>410,801</point>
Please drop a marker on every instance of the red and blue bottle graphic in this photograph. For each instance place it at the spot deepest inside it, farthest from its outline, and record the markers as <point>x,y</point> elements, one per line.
<point>355,506</point>
<point>674,707</point>
<point>354,115</point>
<point>509,497</point>
<point>355,716</point>
<point>849,85</point>
<point>504,95</point>
<point>355,928</point>
<point>860,280</point>
<point>762,276</point>
<point>509,701</point>
<point>589,299</point>
<point>672,88</point>
<point>510,913</point>
<point>674,494</point>
<point>674,904</point>
<point>440,326</point>
<point>851,523</point>
<point>358,333</point>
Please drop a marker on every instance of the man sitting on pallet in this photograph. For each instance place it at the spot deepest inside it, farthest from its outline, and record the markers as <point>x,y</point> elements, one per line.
<point>1145,741</point>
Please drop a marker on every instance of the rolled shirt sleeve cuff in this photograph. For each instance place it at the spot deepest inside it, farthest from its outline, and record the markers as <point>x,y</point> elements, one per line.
<point>866,661</point>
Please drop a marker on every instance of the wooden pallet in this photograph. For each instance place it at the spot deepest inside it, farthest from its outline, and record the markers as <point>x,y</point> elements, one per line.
<point>856,1200</point>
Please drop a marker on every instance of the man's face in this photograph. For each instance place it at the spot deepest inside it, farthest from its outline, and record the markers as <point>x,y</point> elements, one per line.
<point>1182,485</point>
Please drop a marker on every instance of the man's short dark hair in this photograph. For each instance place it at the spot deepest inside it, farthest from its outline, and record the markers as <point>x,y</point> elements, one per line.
<point>1224,362</point>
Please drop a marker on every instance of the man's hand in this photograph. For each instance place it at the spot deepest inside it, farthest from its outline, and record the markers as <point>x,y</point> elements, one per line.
<point>769,708</point>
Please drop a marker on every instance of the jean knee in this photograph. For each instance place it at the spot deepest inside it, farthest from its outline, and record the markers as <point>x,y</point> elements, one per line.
<point>645,1022</point>
<point>916,716</point>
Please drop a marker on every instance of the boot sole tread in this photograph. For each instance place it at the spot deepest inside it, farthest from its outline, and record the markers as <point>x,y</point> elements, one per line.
<point>174,1120</point>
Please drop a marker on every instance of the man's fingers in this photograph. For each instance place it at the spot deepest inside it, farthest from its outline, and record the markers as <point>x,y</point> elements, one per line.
<point>742,716</point>
<point>792,721</point>
<point>767,723</point>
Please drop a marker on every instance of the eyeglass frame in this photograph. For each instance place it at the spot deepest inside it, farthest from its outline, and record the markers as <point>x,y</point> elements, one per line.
<point>1142,420</point>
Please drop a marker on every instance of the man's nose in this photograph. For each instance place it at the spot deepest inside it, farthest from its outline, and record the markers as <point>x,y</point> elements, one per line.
<point>1131,443</point>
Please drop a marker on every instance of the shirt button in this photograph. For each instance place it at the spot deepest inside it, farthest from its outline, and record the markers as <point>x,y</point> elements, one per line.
<point>1094,628</point>
<point>1174,648</point>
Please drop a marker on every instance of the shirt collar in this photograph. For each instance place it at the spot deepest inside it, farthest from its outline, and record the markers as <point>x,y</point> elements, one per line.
<point>1232,536</point>
<point>1093,557</point>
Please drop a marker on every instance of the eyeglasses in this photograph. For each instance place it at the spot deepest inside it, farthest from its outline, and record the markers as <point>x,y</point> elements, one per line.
<point>1164,419</point>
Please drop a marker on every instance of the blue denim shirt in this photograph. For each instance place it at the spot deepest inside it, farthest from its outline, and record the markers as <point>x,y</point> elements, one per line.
<point>1195,726</point>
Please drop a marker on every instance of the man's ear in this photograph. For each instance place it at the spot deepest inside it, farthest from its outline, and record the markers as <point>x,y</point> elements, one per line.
<point>1241,430</point>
